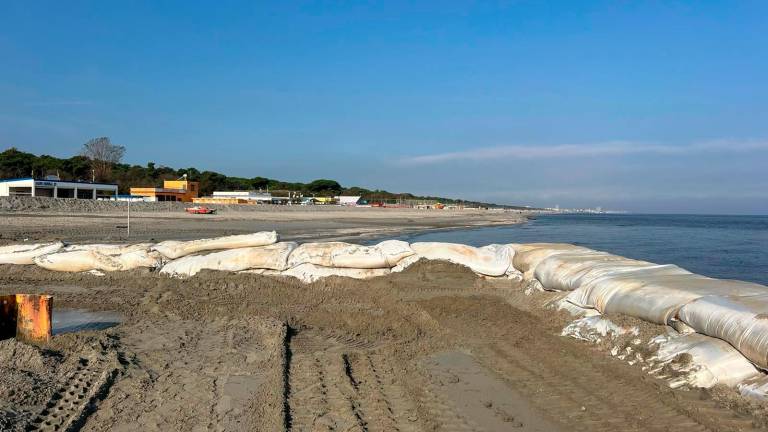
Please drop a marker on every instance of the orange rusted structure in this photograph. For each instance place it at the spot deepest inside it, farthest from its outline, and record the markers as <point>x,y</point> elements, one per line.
<point>33,322</point>
<point>27,317</point>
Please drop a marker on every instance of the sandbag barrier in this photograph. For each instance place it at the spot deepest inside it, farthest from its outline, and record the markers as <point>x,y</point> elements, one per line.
<point>720,325</point>
<point>728,319</point>
<point>260,253</point>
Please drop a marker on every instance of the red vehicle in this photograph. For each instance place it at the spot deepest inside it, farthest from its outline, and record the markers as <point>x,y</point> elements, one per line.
<point>200,210</point>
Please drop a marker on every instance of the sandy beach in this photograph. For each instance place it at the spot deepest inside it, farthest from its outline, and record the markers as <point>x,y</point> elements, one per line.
<point>433,348</point>
<point>88,221</point>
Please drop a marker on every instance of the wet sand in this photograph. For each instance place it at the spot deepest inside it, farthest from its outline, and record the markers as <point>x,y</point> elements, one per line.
<point>293,223</point>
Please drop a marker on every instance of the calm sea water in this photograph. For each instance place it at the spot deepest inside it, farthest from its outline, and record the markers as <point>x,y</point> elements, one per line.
<point>730,247</point>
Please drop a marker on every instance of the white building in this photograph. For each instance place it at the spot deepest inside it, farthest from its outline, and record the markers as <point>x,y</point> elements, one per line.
<point>131,198</point>
<point>54,188</point>
<point>350,200</point>
<point>264,197</point>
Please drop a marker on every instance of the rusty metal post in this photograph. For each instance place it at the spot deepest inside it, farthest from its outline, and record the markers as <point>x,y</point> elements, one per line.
<point>33,322</point>
<point>8,313</point>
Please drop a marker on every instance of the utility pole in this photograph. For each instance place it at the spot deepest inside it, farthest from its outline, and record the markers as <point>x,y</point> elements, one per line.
<point>129,216</point>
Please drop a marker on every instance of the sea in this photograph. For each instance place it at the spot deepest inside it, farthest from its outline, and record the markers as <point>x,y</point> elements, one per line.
<point>727,247</point>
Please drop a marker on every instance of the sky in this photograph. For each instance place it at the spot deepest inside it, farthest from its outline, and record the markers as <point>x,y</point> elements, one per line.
<point>641,106</point>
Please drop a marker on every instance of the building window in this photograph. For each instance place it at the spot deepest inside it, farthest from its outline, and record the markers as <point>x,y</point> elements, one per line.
<point>20,191</point>
<point>65,193</point>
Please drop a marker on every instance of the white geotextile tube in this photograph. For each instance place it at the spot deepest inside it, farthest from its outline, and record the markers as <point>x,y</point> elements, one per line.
<point>491,260</point>
<point>141,258</point>
<point>755,387</point>
<point>78,261</point>
<point>21,247</point>
<point>273,257</point>
<point>742,321</point>
<point>528,255</point>
<point>25,254</point>
<point>654,294</point>
<point>579,312</point>
<point>310,272</point>
<point>176,249</point>
<point>597,292</point>
<point>263,272</point>
<point>569,271</point>
<point>713,361</point>
<point>110,249</point>
<point>87,260</point>
<point>405,263</point>
<point>346,255</point>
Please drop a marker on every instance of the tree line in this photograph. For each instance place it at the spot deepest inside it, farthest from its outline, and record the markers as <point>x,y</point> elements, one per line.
<point>100,160</point>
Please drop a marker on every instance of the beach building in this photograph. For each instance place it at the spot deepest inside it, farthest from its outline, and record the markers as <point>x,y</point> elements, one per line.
<point>54,187</point>
<point>351,200</point>
<point>235,197</point>
<point>173,190</point>
<point>223,201</point>
<point>131,198</point>
<point>256,196</point>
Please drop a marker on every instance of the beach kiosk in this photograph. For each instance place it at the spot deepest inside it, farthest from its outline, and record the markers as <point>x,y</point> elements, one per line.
<point>53,187</point>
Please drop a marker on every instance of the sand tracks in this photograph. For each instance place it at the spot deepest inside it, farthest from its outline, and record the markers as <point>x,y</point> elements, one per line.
<point>333,386</point>
<point>77,396</point>
<point>576,388</point>
<point>430,349</point>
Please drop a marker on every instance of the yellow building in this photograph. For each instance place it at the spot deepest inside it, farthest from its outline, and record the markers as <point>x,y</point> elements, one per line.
<point>172,190</point>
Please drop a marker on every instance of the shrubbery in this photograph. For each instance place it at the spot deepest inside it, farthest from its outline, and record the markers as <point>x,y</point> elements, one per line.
<point>15,163</point>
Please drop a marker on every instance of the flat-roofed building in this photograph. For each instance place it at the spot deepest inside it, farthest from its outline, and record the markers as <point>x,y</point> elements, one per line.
<point>214,200</point>
<point>53,187</point>
<point>351,200</point>
<point>172,190</point>
<point>257,196</point>
<point>235,197</point>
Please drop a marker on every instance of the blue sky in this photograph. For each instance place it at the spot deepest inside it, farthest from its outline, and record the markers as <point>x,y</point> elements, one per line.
<point>642,106</point>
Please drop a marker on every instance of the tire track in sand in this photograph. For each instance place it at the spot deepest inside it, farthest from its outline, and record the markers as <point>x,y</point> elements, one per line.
<point>333,386</point>
<point>76,397</point>
<point>579,388</point>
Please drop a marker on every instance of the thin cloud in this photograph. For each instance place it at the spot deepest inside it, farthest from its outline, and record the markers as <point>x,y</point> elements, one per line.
<point>59,103</point>
<point>612,148</point>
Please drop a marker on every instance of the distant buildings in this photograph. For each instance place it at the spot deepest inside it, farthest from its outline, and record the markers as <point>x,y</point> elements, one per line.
<point>181,190</point>
<point>350,200</point>
<point>256,196</point>
<point>596,210</point>
<point>236,197</point>
<point>53,187</point>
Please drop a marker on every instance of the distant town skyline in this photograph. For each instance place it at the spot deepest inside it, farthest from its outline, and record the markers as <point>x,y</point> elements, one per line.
<point>644,107</point>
